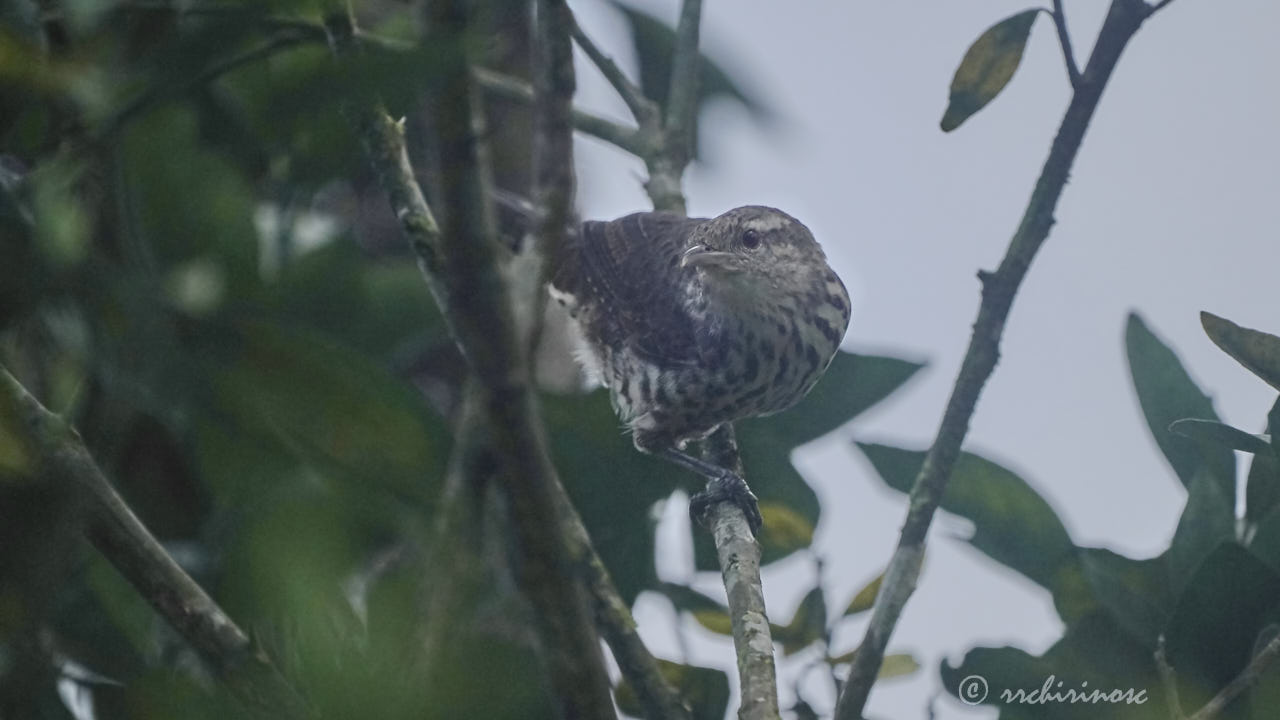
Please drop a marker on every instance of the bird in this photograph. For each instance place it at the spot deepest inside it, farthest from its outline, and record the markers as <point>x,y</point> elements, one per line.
<point>692,323</point>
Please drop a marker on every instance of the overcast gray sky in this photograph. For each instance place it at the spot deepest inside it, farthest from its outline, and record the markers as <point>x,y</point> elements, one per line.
<point>1171,209</point>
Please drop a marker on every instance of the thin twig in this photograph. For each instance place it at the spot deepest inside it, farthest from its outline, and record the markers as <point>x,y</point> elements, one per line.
<point>513,88</point>
<point>644,110</point>
<point>1169,680</point>
<point>1064,38</point>
<point>1246,679</point>
<point>1123,20</point>
<point>1158,6</point>
<point>461,263</point>
<point>127,544</point>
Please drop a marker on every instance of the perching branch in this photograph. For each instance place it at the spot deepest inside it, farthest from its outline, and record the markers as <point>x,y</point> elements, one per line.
<point>512,88</point>
<point>1068,55</point>
<point>122,539</point>
<point>1123,20</point>
<point>461,263</point>
<point>739,557</point>
<point>1246,679</point>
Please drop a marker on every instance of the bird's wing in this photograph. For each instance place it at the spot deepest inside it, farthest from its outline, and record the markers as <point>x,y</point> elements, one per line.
<point>628,273</point>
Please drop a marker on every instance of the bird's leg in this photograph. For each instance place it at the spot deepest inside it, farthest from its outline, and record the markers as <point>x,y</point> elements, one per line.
<point>722,486</point>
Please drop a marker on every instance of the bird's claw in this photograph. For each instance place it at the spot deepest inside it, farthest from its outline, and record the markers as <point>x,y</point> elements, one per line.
<point>731,488</point>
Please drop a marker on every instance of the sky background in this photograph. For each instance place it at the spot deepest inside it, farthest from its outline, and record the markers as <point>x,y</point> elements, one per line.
<point>1170,210</point>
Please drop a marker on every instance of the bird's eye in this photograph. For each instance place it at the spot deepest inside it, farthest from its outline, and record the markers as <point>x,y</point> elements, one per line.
<point>750,239</point>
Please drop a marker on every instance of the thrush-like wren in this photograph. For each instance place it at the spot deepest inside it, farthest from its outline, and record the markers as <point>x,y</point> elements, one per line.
<point>695,322</point>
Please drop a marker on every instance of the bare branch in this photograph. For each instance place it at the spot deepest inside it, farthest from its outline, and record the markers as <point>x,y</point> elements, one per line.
<point>682,100</point>
<point>1068,55</point>
<point>644,110</point>
<point>127,544</point>
<point>1158,6</point>
<point>512,88</point>
<point>1122,21</point>
<point>739,557</point>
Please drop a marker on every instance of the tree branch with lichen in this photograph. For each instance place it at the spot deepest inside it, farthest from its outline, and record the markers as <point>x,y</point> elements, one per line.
<point>461,261</point>
<point>111,527</point>
<point>998,290</point>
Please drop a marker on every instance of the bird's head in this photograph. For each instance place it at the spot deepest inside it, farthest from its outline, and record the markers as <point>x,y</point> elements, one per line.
<point>757,251</point>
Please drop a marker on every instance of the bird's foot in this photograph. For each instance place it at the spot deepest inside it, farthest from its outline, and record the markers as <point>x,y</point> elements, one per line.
<point>728,487</point>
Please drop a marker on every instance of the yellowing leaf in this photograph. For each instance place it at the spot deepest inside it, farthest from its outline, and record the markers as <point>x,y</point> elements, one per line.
<point>987,67</point>
<point>1256,350</point>
<point>784,528</point>
<point>897,666</point>
<point>715,621</point>
<point>866,597</point>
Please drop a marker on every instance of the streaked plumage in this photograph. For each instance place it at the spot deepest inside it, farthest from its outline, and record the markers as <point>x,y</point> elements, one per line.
<point>693,322</point>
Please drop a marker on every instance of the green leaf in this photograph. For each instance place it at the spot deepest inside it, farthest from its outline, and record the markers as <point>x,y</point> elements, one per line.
<point>1207,521</point>
<point>1093,653</point>
<point>897,665</point>
<point>705,690</point>
<point>1222,434</point>
<point>1167,393</point>
<point>851,385</point>
<point>328,405</point>
<point>865,598</point>
<point>1258,351</point>
<point>784,528</point>
<point>1210,638</point>
<point>1262,493</point>
<point>1134,592</point>
<point>613,486</point>
<point>1265,542</point>
<point>807,626</point>
<point>18,451</point>
<point>686,598</point>
<point>1012,523</point>
<point>654,42</point>
<point>987,67</point>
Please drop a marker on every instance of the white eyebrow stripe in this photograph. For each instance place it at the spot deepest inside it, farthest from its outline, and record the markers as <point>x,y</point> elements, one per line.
<point>766,223</point>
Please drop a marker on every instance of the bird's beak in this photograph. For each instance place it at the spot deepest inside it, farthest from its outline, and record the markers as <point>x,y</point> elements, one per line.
<point>703,256</point>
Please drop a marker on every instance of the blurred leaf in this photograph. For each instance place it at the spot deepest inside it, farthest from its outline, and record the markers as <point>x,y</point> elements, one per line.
<point>717,621</point>
<point>1265,543</point>
<point>987,67</point>
<point>1012,524</point>
<point>1166,393</point>
<point>329,405</point>
<point>851,385</point>
<point>1264,697</point>
<point>1222,434</point>
<point>807,626</point>
<point>654,42</point>
<point>1211,635</point>
<point>897,665</point>
<point>1134,592</point>
<point>1093,654</point>
<point>705,690</point>
<point>613,485</point>
<point>784,528</point>
<point>865,598</point>
<point>18,452</point>
<point>1258,351</point>
<point>684,597</point>
<point>1263,490</point>
<point>1207,521</point>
